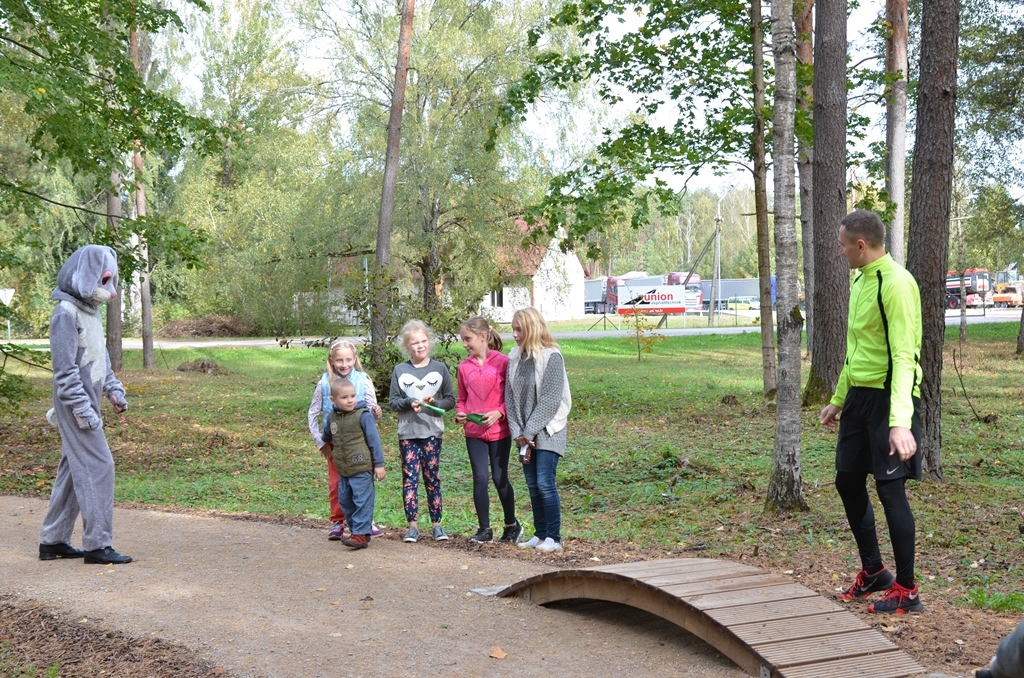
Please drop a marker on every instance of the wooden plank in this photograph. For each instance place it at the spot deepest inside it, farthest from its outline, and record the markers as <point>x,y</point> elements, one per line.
<point>765,594</point>
<point>647,567</point>
<point>782,609</point>
<point>754,580</point>
<point>794,628</point>
<point>885,665</point>
<point>824,648</point>
<point>671,578</point>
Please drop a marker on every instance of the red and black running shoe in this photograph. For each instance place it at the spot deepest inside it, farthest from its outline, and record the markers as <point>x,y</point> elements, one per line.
<point>865,584</point>
<point>899,600</point>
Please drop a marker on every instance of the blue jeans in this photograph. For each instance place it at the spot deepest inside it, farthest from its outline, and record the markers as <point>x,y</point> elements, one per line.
<point>540,480</point>
<point>356,494</point>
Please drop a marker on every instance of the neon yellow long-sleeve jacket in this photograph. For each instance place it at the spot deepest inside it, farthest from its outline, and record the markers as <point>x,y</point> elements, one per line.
<point>883,337</point>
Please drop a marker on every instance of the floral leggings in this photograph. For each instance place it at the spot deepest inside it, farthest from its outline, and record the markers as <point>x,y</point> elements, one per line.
<point>421,453</point>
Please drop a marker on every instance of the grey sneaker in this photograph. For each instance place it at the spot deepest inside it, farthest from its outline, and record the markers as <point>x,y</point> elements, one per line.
<point>412,536</point>
<point>438,533</point>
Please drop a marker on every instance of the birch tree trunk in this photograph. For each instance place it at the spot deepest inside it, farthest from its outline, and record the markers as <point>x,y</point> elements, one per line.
<point>785,488</point>
<point>145,300</point>
<point>757,153</point>
<point>382,260</point>
<point>831,272</point>
<point>805,154</point>
<point>896,67</point>
<point>930,199</point>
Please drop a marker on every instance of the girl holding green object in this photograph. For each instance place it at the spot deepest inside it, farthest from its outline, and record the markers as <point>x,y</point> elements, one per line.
<point>480,407</point>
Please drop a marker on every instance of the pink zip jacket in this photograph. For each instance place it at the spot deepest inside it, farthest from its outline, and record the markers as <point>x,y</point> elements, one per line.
<point>482,390</point>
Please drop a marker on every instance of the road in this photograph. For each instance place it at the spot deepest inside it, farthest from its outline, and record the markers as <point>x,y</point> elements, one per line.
<point>744,318</point>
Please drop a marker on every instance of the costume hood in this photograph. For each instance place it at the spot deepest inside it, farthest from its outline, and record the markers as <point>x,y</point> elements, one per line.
<point>81,274</point>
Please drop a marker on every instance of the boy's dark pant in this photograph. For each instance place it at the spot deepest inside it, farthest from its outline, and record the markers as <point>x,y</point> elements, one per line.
<point>356,495</point>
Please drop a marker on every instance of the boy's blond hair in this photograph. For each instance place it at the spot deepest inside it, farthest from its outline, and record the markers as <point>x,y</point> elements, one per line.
<point>339,385</point>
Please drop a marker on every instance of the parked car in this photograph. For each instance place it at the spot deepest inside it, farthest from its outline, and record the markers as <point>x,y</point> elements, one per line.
<point>739,303</point>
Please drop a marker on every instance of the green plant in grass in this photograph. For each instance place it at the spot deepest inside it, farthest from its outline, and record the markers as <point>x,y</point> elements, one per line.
<point>998,602</point>
<point>11,666</point>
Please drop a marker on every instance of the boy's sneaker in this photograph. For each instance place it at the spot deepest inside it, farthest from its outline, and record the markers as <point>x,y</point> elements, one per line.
<point>531,544</point>
<point>412,535</point>
<point>898,600</point>
<point>549,545</point>
<point>483,535</point>
<point>438,533</point>
<point>865,584</point>
<point>512,533</point>
<point>357,541</point>
<point>375,531</point>
<point>336,531</point>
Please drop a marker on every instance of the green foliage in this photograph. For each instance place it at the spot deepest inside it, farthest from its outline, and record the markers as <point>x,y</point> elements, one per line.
<point>14,387</point>
<point>994,600</point>
<point>691,57</point>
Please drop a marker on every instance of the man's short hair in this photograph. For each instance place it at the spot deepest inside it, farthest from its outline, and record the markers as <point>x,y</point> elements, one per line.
<point>866,226</point>
<point>339,385</point>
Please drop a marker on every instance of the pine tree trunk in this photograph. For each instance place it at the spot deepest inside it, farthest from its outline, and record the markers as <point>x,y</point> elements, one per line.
<point>896,122</point>
<point>114,214</point>
<point>831,272</point>
<point>382,261</point>
<point>805,158</point>
<point>757,153</point>
<point>785,487</point>
<point>930,202</point>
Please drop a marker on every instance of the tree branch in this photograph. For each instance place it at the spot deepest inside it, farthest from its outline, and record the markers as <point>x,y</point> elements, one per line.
<point>52,202</point>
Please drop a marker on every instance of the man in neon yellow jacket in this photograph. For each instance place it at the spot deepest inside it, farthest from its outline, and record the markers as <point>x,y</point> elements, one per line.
<point>876,405</point>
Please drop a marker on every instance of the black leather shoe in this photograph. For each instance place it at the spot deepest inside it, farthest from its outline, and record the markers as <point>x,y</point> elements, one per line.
<point>55,551</point>
<point>106,556</point>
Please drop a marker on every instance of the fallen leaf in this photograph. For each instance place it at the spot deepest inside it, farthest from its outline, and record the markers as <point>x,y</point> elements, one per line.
<point>350,566</point>
<point>464,567</point>
<point>322,588</point>
<point>787,572</point>
<point>336,635</point>
<point>958,641</point>
<point>335,602</point>
<point>479,571</point>
<point>498,653</point>
<point>218,671</point>
<point>888,629</point>
<point>596,559</point>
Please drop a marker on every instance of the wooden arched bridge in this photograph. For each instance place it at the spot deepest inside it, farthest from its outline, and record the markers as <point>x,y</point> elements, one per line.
<point>769,625</point>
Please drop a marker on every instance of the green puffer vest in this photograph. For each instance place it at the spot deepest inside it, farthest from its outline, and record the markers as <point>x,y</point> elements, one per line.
<point>351,453</point>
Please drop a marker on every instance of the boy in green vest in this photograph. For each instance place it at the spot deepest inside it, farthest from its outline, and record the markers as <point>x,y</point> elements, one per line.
<point>350,437</point>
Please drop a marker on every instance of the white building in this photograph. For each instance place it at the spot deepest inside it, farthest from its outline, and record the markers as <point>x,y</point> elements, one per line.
<point>554,285</point>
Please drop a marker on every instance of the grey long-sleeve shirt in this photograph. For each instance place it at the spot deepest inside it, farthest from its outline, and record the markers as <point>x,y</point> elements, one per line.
<point>409,383</point>
<point>527,413</point>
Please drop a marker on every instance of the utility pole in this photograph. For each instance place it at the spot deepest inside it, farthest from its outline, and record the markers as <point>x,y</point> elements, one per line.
<point>716,270</point>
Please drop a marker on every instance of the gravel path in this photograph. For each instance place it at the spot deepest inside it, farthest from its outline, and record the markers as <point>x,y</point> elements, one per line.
<point>271,600</point>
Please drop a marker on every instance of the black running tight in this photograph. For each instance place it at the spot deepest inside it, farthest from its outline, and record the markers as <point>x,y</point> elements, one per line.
<point>495,454</point>
<point>892,493</point>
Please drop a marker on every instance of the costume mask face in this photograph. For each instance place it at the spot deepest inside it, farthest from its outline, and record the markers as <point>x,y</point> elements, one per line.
<point>90,275</point>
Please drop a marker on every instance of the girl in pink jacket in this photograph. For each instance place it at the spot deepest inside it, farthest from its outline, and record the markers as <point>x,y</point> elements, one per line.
<point>480,407</point>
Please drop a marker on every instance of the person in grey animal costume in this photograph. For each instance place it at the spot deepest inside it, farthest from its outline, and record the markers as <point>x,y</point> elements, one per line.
<point>81,376</point>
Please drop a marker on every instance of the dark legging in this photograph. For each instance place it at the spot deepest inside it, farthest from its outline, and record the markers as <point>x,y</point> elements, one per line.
<point>892,493</point>
<point>493,454</point>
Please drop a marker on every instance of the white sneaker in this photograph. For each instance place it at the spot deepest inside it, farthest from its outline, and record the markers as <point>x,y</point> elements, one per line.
<point>532,544</point>
<point>549,545</point>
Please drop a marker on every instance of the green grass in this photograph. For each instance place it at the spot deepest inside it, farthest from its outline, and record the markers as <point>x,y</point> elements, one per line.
<point>658,457</point>
<point>12,667</point>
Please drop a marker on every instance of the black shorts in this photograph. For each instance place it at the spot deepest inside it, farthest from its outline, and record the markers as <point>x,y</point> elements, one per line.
<point>863,445</point>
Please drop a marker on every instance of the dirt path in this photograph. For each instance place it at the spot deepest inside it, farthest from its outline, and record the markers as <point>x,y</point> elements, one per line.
<point>270,600</point>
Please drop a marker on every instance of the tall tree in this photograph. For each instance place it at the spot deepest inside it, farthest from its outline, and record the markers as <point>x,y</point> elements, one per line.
<point>382,260</point>
<point>896,74</point>
<point>831,274</point>
<point>141,55</point>
<point>930,199</point>
<point>758,153</point>
<point>805,151</point>
<point>785,485</point>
